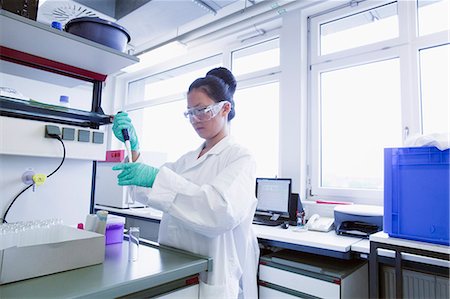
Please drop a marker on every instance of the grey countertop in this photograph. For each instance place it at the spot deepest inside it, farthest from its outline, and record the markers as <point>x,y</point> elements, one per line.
<point>116,276</point>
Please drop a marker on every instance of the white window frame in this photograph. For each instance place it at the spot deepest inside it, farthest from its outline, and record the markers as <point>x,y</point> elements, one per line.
<point>316,70</point>
<point>406,47</point>
<point>248,80</point>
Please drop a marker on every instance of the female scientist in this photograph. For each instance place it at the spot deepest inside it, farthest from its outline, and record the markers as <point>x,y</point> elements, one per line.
<point>208,195</point>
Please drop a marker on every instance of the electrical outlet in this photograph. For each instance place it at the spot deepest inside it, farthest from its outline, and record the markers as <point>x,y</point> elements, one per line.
<point>97,137</point>
<point>27,176</point>
<point>68,134</point>
<point>51,131</point>
<point>83,135</point>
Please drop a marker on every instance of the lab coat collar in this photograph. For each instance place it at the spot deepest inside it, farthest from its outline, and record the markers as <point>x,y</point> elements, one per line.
<point>218,148</point>
<point>193,158</point>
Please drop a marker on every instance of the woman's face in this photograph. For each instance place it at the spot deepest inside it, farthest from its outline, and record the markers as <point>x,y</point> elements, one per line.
<point>210,128</point>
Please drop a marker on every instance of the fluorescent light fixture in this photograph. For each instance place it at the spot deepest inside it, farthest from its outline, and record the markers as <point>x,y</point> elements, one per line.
<point>205,6</point>
<point>157,55</point>
<point>251,34</point>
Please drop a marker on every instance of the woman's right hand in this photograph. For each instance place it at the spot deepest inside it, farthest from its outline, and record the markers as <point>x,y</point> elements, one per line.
<point>123,121</point>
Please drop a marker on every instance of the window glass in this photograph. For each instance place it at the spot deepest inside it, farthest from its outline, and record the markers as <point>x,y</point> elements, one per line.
<point>165,130</point>
<point>360,115</point>
<point>256,125</point>
<point>257,57</point>
<point>367,27</point>
<point>433,16</point>
<point>434,81</point>
<point>171,82</point>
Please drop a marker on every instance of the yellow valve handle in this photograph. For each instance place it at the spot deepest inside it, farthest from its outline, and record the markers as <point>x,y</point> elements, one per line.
<point>39,179</point>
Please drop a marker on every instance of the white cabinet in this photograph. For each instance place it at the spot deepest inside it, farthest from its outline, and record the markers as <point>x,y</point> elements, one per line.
<point>299,275</point>
<point>189,292</point>
<point>266,292</point>
<point>185,288</point>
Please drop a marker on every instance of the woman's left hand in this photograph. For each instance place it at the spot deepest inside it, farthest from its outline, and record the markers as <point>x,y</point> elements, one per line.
<point>136,174</point>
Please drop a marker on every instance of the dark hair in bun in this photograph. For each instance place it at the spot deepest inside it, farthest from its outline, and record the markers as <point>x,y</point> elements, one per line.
<point>220,85</point>
<point>226,76</point>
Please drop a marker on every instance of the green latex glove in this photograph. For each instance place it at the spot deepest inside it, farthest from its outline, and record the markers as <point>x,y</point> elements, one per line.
<point>137,174</point>
<point>123,121</point>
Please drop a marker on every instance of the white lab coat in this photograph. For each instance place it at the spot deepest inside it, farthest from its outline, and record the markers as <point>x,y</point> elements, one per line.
<point>208,206</point>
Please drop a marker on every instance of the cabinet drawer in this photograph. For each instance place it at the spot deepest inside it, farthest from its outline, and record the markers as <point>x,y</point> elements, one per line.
<point>190,292</point>
<point>268,293</point>
<point>298,282</point>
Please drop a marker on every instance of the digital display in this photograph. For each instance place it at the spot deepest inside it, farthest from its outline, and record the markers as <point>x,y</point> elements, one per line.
<point>273,195</point>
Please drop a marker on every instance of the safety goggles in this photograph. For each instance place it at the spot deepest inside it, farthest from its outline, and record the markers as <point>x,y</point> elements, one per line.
<point>204,113</point>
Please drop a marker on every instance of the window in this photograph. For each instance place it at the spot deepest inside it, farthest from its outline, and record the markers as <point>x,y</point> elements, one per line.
<point>435,97</point>
<point>257,100</point>
<point>360,106</point>
<point>165,131</point>
<point>256,125</point>
<point>256,57</point>
<point>433,16</point>
<point>362,28</point>
<point>169,84</point>
<point>373,80</point>
<point>157,103</point>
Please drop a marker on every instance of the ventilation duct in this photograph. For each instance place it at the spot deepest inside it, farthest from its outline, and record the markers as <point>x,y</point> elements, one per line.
<point>64,11</point>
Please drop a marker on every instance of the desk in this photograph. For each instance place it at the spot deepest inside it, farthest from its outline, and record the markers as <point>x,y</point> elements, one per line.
<point>157,266</point>
<point>381,240</point>
<point>321,243</point>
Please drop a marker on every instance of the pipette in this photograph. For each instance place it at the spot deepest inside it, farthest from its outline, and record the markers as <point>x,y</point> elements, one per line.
<point>126,138</point>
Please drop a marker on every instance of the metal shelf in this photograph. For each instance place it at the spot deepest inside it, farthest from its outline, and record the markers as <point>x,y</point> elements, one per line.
<point>43,112</point>
<point>62,50</point>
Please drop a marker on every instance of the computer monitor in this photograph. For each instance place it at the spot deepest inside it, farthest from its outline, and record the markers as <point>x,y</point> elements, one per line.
<point>273,196</point>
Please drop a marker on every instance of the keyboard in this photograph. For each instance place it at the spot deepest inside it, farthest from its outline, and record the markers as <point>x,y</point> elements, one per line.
<point>266,221</point>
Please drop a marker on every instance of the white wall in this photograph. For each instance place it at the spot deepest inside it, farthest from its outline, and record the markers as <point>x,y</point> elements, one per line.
<point>293,104</point>
<point>65,195</point>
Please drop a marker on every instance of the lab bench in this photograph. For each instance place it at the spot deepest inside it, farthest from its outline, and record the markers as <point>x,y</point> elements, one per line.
<point>343,249</point>
<point>159,271</point>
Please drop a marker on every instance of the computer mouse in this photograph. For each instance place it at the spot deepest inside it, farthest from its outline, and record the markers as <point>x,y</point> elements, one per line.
<point>285,225</point>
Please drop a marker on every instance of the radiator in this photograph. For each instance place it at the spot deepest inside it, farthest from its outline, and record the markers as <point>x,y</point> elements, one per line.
<point>416,285</point>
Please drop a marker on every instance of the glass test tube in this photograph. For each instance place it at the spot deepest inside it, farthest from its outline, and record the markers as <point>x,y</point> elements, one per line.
<point>133,243</point>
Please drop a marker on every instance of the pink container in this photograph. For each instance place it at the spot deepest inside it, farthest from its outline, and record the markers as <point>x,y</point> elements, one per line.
<point>115,156</point>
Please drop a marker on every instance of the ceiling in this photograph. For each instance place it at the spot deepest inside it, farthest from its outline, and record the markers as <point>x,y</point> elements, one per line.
<point>148,21</point>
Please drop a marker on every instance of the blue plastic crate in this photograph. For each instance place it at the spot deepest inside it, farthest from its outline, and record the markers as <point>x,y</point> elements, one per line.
<point>416,194</point>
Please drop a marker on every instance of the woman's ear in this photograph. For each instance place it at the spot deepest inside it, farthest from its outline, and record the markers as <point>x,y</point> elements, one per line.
<point>226,108</point>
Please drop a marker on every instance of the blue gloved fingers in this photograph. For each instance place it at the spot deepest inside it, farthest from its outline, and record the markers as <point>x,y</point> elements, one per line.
<point>121,166</point>
<point>136,174</point>
<point>120,124</point>
<point>126,175</point>
<point>127,170</point>
<point>125,183</point>
<point>123,121</point>
<point>121,116</point>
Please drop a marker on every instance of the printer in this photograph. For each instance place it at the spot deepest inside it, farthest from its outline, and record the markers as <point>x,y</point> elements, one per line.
<point>358,220</point>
